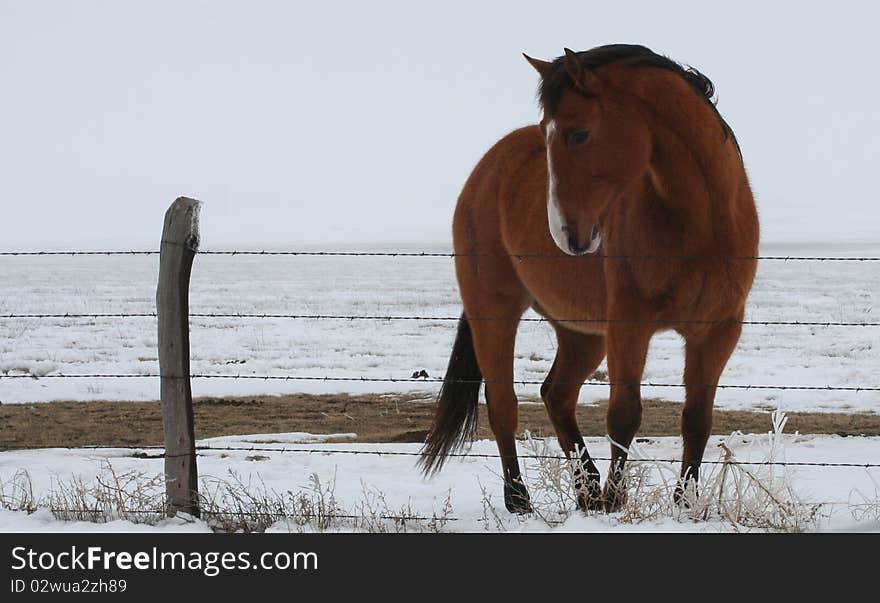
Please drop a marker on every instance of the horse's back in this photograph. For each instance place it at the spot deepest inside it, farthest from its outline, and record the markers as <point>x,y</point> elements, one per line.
<point>513,162</point>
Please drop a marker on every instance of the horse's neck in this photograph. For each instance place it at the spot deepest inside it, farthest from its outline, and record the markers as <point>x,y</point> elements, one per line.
<point>696,178</point>
<point>692,188</point>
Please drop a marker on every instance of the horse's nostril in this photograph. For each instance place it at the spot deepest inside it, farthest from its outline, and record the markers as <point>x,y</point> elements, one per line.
<point>575,245</point>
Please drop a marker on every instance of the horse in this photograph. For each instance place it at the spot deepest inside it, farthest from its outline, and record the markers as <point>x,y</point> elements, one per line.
<point>626,211</point>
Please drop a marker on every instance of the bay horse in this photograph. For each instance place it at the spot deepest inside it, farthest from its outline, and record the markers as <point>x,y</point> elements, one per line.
<point>625,212</point>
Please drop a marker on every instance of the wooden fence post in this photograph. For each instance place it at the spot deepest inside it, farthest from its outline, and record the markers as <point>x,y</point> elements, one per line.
<point>180,240</point>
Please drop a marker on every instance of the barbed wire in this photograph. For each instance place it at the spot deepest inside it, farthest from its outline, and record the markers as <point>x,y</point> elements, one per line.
<point>537,255</point>
<point>70,315</point>
<point>428,254</point>
<point>389,318</point>
<point>73,253</point>
<point>462,455</point>
<point>247,513</point>
<point>305,518</point>
<point>850,388</point>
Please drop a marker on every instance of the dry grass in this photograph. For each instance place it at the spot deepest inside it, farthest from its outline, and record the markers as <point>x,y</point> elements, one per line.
<point>229,504</point>
<point>741,497</point>
<point>232,504</point>
<point>865,506</point>
<point>17,493</point>
<point>132,496</point>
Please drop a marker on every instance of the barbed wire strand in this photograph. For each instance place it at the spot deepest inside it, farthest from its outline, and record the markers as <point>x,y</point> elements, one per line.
<point>851,388</point>
<point>317,516</point>
<point>305,518</point>
<point>427,254</point>
<point>73,253</point>
<point>464,455</point>
<point>389,318</point>
<point>279,515</point>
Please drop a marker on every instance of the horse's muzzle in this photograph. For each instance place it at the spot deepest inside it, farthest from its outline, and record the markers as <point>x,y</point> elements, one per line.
<point>591,245</point>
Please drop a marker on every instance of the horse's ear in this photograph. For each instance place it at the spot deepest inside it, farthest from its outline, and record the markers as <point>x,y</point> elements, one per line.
<point>540,66</point>
<point>573,66</point>
<point>583,79</point>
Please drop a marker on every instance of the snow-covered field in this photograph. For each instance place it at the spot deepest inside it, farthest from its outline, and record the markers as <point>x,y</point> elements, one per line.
<point>842,498</point>
<point>767,355</point>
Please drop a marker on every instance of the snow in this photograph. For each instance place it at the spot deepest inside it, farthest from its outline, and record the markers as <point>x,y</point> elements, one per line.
<point>295,437</point>
<point>766,355</point>
<point>421,286</point>
<point>401,484</point>
<point>44,521</point>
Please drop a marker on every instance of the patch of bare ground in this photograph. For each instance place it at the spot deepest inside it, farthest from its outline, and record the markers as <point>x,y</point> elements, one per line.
<point>374,418</point>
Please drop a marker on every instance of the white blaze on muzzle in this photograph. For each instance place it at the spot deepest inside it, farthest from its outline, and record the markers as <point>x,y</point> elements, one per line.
<point>554,214</point>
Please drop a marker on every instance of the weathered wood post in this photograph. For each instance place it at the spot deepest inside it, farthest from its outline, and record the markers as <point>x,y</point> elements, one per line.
<point>180,240</point>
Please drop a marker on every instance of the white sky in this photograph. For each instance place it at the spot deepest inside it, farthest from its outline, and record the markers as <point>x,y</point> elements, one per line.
<point>358,122</point>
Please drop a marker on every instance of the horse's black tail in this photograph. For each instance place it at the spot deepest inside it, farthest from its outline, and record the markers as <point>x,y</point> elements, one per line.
<point>455,420</point>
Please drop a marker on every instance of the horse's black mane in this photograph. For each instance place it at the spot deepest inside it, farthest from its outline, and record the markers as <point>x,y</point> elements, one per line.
<point>556,78</point>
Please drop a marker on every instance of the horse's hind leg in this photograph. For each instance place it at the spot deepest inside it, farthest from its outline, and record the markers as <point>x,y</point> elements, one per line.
<point>502,304</point>
<point>577,356</point>
<point>494,345</point>
<point>705,359</point>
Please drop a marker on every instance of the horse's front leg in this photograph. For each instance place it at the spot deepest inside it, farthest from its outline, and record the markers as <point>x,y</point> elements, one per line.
<point>627,349</point>
<point>706,356</point>
<point>577,357</point>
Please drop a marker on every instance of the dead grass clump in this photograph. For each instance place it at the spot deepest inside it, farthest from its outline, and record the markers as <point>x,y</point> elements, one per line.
<point>17,493</point>
<point>753,496</point>
<point>132,496</point>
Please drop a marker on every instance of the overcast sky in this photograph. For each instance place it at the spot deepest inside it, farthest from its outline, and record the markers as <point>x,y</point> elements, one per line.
<point>358,122</point>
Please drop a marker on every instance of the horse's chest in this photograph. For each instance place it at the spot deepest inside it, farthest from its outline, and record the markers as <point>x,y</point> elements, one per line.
<point>661,282</point>
<point>566,288</point>
<point>678,291</point>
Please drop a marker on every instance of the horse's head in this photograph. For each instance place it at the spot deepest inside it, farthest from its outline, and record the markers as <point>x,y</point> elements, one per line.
<point>598,146</point>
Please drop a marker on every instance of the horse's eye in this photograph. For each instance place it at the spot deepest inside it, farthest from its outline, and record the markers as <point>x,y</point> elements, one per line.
<point>578,137</point>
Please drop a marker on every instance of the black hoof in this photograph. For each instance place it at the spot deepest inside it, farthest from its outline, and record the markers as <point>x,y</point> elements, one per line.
<point>685,491</point>
<point>516,498</point>
<point>614,496</point>
<point>679,499</point>
<point>589,495</point>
